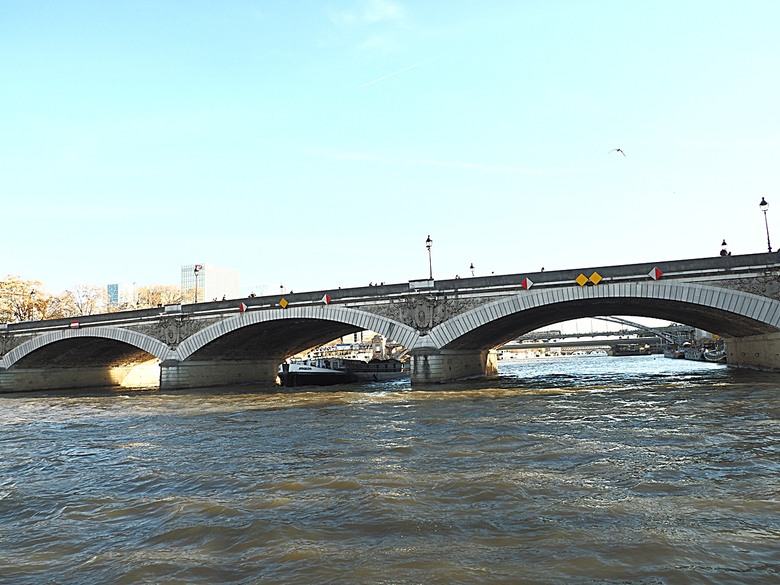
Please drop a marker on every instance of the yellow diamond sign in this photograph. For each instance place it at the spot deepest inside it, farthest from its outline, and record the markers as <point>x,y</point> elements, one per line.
<point>581,279</point>
<point>283,303</point>
<point>595,278</point>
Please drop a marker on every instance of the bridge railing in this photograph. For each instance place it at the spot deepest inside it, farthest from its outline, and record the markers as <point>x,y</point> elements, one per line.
<point>717,266</point>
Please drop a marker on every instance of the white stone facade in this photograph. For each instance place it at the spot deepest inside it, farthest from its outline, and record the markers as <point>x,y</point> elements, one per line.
<point>210,282</point>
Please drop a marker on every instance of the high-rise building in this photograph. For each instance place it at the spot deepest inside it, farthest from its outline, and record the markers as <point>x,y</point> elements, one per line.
<point>209,282</point>
<point>122,296</point>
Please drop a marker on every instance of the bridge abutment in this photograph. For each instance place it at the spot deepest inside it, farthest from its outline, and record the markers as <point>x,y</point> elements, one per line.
<point>36,379</point>
<point>176,375</point>
<point>431,366</point>
<point>761,352</point>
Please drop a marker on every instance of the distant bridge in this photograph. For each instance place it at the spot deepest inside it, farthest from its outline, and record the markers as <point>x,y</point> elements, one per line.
<point>574,344</point>
<point>634,333</point>
<point>450,327</point>
<point>672,334</point>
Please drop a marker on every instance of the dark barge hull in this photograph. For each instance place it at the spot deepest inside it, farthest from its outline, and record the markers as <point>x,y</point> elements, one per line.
<point>352,371</point>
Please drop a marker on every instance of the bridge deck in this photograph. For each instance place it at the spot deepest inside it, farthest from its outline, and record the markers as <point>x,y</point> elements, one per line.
<point>692,270</point>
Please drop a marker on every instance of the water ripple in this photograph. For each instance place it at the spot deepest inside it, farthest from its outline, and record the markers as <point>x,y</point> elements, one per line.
<point>605,471</point>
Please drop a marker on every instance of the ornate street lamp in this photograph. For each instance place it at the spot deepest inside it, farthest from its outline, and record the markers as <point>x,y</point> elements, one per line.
<point>198,268</point>
<point>723,250</point>
<point>472,269</point>
<point>764,205</point>
<point>428,244</point>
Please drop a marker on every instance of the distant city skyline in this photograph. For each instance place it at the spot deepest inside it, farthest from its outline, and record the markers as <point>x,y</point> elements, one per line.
<point>317,145</point>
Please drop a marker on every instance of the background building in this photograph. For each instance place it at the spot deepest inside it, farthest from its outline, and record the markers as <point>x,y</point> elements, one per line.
<point>209,282</point>
<point>121,296</point>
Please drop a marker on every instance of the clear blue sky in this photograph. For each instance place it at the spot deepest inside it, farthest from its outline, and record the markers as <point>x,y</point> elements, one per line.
<point>317,144</point>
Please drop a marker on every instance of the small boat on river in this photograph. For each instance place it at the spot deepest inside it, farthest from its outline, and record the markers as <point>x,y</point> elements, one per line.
<point>715,355</point>
<point>330,371</point>
<point>675,353</point>
<point>694,353</point>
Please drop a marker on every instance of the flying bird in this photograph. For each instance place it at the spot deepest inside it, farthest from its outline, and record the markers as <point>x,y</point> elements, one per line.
<point>618,150</point>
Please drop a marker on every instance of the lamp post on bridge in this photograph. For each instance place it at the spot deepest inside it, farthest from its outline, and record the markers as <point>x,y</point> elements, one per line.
<point>472,269</point>
<point>32,305</point>
<point>764,205</point>
<point>428,244</point>
<point>198,268</point>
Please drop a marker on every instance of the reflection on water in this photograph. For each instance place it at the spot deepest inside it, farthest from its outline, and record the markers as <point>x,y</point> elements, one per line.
<point>602,470</point>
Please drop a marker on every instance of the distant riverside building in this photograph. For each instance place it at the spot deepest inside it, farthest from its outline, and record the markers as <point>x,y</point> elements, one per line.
<point>209,282</point>
<point>123,296</point>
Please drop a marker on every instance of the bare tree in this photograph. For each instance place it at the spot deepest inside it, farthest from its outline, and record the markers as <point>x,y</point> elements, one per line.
<point>158,295</point>
<point>21,300</point>
<point>26,300</point>
<point>82,300</point>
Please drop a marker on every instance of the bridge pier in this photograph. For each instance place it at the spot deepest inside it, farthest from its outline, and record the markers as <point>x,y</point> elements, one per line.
<point>36,379</point>
<point>760,352</point>
<point>434,366</point>
<point>176,375</point>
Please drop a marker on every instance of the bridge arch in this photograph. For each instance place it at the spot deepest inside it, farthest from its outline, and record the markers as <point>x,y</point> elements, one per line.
<point>726,312</point>
<point>336,318</point>
<point>142,342</point>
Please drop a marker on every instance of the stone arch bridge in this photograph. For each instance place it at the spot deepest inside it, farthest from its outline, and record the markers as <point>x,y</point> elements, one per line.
<point>450,327</point>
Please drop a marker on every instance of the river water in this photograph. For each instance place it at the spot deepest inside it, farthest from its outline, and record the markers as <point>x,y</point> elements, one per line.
<point>579,470</point>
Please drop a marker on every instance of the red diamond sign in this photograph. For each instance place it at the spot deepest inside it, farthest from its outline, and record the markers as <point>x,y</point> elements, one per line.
<point>326,299</point>
<point>527,283</point>
<point>655,274</point>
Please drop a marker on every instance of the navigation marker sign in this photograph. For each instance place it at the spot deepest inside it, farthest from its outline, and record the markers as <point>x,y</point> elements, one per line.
<point>326,299</point>
<point>655,274</point>
<point>595,278</point>
<point>242,307</point>
<point>283,303</point>
<point>527,283</point>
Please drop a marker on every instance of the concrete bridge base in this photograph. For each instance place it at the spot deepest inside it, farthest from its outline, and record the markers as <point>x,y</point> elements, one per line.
<point>177,375</point>
<point>430,366</point>
<point>34,379</point>
<point>760,352</point>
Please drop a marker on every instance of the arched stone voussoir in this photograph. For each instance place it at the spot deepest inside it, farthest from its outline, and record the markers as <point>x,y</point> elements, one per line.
<point>143,342</point>
<point>745,307</point>
<point>388,328</point>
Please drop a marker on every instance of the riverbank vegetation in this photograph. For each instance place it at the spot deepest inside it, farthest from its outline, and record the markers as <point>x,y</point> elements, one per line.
<point>28,300</point>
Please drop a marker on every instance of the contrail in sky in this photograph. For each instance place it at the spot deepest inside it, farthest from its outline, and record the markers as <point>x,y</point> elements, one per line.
<point>393,74</point>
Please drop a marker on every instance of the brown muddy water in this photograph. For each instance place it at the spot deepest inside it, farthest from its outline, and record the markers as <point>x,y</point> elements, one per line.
<point>589,470</point>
